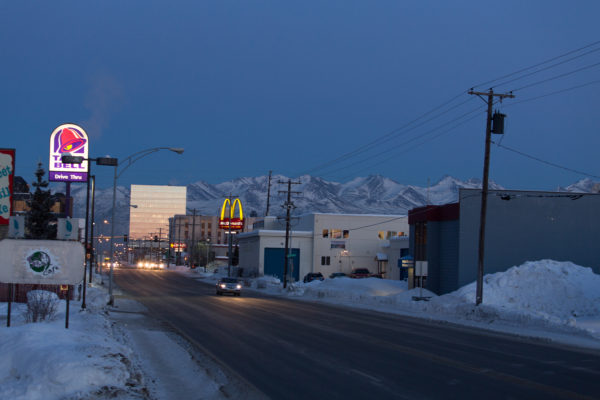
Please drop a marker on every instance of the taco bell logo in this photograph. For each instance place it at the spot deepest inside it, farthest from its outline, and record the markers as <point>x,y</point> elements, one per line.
<point>72,139</point>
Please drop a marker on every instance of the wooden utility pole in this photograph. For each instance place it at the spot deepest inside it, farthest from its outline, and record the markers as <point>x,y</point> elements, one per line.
<point>288,205</point>
<point>268,194</point>
<point>484,185</point>
<point>191,260</point>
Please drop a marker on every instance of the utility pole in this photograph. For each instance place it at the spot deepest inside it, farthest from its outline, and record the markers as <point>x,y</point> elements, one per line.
<point>288,205</point>
<point>268,194</point>
<point>191,261</point>
<point>484,185</point>
<point>178,260</point>
<point>158,252</point>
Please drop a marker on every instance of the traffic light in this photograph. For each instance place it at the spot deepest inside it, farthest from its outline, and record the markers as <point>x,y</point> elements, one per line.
<point>125,238</point>
<point>156,238</point>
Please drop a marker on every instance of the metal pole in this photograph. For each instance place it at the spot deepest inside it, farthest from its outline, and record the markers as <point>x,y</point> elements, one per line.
<point>111,300</point>
<point>92,255</point>
<point>230,244</point>
<point>86,239</point>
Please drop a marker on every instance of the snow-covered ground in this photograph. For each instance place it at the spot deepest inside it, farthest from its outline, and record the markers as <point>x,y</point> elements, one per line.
<point>559,301</point>
<point>121,353</point>
<point>106,353</point>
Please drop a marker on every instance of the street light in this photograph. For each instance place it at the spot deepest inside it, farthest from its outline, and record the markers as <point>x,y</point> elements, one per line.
<point>68,158</point>
<point>126,163</point>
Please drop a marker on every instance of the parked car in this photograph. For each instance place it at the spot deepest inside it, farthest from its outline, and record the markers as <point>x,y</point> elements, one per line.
<point>337,275</point>
<point>312,276</point>
<point>229,285</point>
<point>363,273</point>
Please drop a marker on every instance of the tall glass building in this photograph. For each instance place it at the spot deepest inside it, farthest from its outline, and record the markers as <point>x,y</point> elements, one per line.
<point>155,205</point>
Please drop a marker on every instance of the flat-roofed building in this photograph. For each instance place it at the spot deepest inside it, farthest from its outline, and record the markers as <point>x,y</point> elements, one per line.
<point>152,206</point>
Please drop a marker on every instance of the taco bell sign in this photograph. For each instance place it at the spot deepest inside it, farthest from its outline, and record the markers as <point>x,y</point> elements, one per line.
<point>72,139</point>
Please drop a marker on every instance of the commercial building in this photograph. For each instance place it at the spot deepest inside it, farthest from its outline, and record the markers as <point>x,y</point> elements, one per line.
<point>325,243</point>
<point>187,230</point>
<point>520,226</point>
<point>151,208</point>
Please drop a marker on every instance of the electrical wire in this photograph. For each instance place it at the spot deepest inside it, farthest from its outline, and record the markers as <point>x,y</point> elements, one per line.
<point>385,137</point>
<point>478,109</point>
<point>546,162</point>
<point>513,103</point>
<point>556,77</point>
<point>546,68</point>
<point>539,64</point>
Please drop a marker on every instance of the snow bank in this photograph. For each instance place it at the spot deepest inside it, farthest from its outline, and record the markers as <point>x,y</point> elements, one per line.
<point>46,361</point>
<point>546,289</point>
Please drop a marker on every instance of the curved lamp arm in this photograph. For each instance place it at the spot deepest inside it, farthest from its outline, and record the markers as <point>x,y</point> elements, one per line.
<point>126,163</point>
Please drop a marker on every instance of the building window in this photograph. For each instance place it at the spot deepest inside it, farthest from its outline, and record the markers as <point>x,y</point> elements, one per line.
<point>325,233</point>
<point>325,260</point>
<point>391,234</point>
<point>346,233</point>
<point>381,235</point>
<point>336,233</point>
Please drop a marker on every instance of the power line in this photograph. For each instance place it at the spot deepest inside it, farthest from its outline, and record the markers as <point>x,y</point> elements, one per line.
<point>384,137</point>
<point>557,77</point>
<point>553,93</point>
<point>546,162</point>
<point>539,64</point>
<point>411,140</point>
<point>546,68</point>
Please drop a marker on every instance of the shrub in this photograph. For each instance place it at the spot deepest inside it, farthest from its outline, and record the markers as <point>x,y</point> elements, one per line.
<point>41,305</point>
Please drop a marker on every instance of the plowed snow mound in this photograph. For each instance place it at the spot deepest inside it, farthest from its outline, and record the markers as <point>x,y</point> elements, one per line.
<point>559,289</point>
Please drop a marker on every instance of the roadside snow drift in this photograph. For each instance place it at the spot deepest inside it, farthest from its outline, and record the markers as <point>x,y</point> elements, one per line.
<point>543,288</point>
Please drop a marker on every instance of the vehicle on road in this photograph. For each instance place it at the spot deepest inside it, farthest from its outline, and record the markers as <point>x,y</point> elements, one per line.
<point>229,285</point>
<point>363,273</point>
<point>313,276</point>
<point>337,275</point>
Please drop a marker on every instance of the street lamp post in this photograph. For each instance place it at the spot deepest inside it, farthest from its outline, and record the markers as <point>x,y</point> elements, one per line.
<point>207,253</point>
<point>126,163</point>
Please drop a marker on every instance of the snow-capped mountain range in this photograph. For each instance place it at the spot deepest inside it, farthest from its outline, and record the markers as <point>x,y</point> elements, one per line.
<point>374,194</point>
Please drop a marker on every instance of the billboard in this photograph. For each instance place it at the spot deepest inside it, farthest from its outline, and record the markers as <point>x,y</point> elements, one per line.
<point>53,262</point>
<point>229,222</point>
<point>7,173</point>
<point>72,139</point>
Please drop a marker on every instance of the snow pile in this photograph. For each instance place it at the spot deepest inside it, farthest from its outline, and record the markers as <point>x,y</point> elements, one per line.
<point>541,296</point>
<point>544,288</point>
<point>46,361</point>
<point>353,291</point>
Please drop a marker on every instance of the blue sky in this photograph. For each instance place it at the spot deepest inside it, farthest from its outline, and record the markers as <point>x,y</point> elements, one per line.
<point>251,86</point>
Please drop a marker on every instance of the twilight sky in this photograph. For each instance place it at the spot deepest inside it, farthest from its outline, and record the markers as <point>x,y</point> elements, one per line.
<point>291,86</point>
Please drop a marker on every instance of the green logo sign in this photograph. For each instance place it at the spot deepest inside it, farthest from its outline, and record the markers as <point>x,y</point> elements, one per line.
<point>40,262</point>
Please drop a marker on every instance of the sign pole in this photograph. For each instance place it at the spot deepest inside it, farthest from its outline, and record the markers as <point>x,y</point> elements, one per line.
<point>67,316</point>
<point>10,296</point>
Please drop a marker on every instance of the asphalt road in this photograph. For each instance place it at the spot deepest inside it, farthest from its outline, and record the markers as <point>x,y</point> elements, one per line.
<point>299,350</point>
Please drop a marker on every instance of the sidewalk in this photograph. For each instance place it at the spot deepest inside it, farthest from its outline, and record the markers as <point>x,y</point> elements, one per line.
<point>172,368</point>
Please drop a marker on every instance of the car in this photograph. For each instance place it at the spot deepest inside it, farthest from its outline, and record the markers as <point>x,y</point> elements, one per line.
<point>229,285</point>
<point>363,273</point>
<point>312,276</point>
<point>337,275</point>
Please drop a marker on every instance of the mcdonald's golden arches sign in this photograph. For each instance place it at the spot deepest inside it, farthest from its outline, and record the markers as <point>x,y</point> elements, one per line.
<point>237,224</point>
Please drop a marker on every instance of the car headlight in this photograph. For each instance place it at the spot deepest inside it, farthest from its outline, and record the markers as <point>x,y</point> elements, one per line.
<point>222,286</point>
<point>238,286</point>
